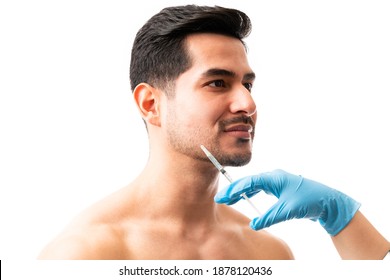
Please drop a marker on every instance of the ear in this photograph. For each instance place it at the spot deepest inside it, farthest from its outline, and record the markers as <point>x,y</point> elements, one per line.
<point>147,100</point>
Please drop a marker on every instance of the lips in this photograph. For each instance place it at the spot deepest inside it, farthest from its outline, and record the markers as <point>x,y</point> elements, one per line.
<point>242,127</point>
<point>241,131</point>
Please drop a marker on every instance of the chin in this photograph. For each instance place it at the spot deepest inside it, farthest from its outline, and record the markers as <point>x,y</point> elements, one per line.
<point>240,163</point>
<point>236,159</point>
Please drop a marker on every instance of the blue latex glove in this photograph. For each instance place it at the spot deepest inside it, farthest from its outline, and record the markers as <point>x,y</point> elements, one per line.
<point>298,198</point>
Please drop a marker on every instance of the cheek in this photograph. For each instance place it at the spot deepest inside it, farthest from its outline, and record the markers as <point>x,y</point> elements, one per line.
<point>199,113</point>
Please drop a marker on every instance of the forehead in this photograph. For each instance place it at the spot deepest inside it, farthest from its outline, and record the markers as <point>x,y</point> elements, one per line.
<point>209,50</point>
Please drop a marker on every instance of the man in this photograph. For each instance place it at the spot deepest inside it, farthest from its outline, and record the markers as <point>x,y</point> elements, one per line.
<point>192,83</point>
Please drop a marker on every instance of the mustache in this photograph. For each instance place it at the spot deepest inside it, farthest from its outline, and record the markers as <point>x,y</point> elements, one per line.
<point>237,120</point>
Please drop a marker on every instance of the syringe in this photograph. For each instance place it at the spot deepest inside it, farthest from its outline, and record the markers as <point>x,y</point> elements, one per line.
<point>227,176</point>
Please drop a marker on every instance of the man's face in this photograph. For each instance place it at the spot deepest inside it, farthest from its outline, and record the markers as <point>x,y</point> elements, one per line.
<point>212,104</point>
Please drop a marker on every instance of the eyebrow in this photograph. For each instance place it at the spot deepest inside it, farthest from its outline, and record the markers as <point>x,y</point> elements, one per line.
<point>223,72</point>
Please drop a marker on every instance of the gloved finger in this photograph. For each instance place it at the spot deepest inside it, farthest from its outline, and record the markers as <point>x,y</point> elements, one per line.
<point>233,193</point>
<point>272,182</point>
<point>279,212</point>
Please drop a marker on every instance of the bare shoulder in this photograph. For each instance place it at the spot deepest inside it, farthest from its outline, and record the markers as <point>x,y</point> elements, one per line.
<point>270,246</point>
<point>260,244</point>
<point>88,242</point>
<point>95,233</point>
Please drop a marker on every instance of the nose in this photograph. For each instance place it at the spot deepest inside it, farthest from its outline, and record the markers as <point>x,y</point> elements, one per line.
<point>242,102</point>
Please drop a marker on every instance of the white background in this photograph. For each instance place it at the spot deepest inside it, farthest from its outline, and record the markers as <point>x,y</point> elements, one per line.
<point>70,133</point>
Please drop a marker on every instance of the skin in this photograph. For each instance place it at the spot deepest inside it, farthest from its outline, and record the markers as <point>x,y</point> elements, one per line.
<point>360,240</point>
<point>168,211</point>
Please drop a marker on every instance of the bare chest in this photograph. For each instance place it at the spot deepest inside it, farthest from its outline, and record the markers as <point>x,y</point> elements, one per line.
<point>168,246</point>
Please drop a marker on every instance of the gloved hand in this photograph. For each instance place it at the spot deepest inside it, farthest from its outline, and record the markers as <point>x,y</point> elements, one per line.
<point>298,198</point>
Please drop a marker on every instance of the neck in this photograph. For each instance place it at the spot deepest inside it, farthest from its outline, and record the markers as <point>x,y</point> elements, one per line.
<point>176,187</point>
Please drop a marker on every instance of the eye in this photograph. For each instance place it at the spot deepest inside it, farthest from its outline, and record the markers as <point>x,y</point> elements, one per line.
<point>218,83</point>
<point>248,86</point>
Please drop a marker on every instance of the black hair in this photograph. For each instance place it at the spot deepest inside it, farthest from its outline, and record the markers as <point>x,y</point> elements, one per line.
<point>159,54</point>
